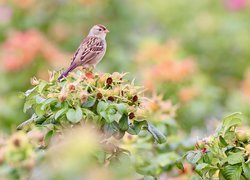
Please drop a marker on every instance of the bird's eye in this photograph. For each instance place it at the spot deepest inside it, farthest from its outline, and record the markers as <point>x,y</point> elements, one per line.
<point>99,29</point>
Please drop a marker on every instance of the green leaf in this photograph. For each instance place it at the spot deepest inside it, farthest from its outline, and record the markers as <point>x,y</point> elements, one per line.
<point>211,172</point>
<point>131,130</point>
<point>108,129</point>
<point>194,156</point>
<point>231,116</point>
<point>235,158</point>
<point>229,135</point>
<point>60,113</point>
<point>70,114</point>
<point>230,121</point>
<point>179,165</point>
<point>201,166</point>
<point>223,143</point>
<point>101,106</point>
<point>74,116</point>
<point>104,115</point>
<point>231,172</point>
<point>48,136</point>
<point>166,159</point>
<point>39,111</point>
<point>89,103</point>
<point>41,86</point>
<point>111,110</point>
<point>135,128</point>
<point>101,156</point>
<point>114,117</point>
<point>246,169</point>
<point>28,104</point>
<point>34,119</point>
<point>118,135</point>
<point>110,114</point>
<point>123,123</point>
<point>48,102</point>
<point>39,99</point>
<point>207,157</point>
<point>158,136</point>
<point>28,92</point>
<point>121,108</point>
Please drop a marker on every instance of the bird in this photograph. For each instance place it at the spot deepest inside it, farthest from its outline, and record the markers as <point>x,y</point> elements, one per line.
<point>91,50</point>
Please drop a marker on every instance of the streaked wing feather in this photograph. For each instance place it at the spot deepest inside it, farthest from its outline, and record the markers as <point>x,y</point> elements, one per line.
<point>75,55</point>
<point>88,50</point>
<point>95,47</point>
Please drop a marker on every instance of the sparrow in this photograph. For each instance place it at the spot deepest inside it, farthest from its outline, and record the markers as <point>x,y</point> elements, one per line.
<point>90,51</point>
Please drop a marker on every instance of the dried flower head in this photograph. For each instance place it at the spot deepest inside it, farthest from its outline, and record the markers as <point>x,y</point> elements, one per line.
<point>71,87</point>
<point>109,81</point>
<point>62,96</point>
<point>135,98</point>
<point>131,115</point>
<point>99,95</point>
<point>111,98</point>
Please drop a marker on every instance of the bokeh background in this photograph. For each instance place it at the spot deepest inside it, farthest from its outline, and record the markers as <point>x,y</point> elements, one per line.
<point>196,54</point>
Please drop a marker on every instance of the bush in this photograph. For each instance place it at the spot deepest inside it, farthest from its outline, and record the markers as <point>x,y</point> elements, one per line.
<point>224,155</point>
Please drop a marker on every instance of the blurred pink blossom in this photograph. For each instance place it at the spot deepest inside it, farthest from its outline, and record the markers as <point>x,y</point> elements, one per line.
<point>235,4</point>
<point>21,48</point>
<point>5,14</point>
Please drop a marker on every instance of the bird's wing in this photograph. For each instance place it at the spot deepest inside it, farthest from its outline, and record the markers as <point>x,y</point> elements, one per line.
<point>88,50</point>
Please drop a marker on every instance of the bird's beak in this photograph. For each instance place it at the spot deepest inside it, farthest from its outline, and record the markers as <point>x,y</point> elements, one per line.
<point>106,31</point>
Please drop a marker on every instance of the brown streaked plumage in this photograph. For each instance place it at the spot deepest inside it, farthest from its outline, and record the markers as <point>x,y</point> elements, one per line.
<point>90,51</point>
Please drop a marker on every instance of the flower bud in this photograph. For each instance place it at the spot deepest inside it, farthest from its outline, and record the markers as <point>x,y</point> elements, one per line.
<point>89,75</point>
<point>62,97</point>
<point>201,144</point>
<point>51,76</point>
<point>241,136</point>
<point>34,81</point>
<point>204,150</point>
<point>83,96</point>
<point>16,142</point>
<point>71,87</point>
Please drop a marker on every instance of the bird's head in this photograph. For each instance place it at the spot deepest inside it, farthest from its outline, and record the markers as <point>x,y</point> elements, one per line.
<point>98,31</point>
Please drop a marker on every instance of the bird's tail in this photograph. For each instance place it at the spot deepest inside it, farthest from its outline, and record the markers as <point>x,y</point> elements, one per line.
<point>65,73</point>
